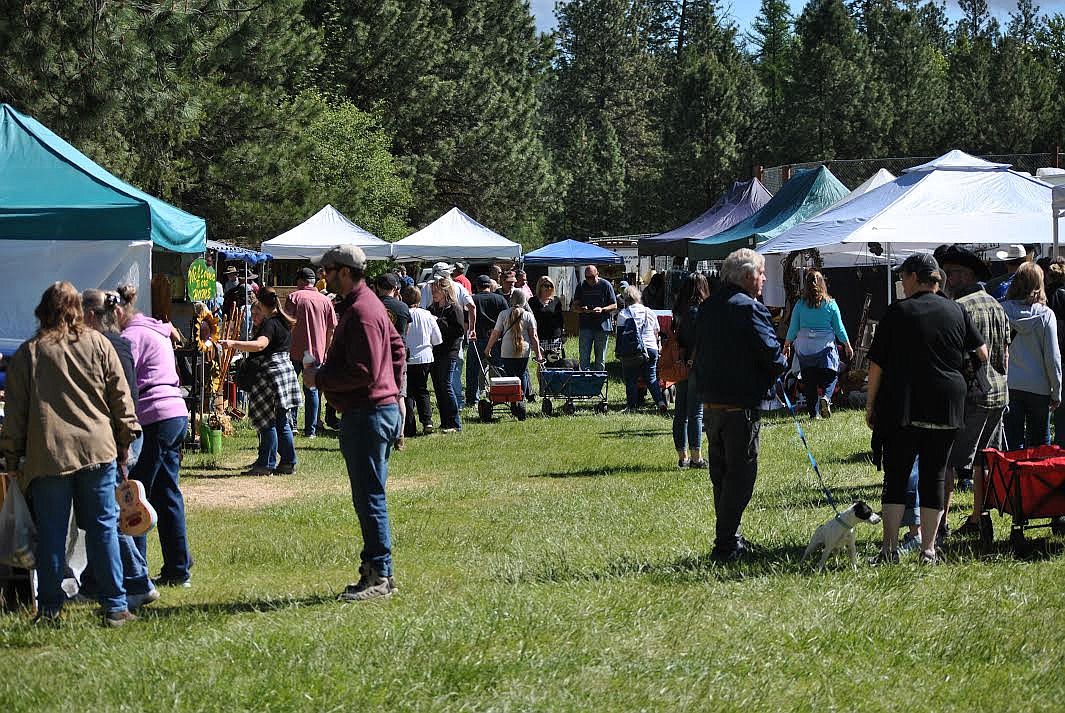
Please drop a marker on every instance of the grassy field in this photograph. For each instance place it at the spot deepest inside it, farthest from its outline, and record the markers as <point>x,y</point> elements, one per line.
<point>556,564</point>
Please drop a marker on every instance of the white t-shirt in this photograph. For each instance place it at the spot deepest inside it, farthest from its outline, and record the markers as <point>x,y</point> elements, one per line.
<point>422,335</point>
<point>646,320</point>
<point>506,338</point>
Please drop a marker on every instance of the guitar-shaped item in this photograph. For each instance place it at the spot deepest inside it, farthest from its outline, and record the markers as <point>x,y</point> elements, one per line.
<point>136,515</point>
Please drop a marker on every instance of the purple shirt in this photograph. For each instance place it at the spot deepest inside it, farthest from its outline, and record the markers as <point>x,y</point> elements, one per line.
<point>157,378</point>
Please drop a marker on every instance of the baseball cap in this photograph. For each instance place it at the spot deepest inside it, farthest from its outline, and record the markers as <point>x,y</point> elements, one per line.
<point>922,265</point>
<point>344,256</point>
<point>388,281</point>
<point>509,277</point>
<point>443,269</point>
<point>307,274</point>
<point>1013,252</point>
<point>484,281</point>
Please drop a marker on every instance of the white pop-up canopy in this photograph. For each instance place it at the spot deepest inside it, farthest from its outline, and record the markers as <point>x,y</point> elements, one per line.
<point>1058,204</point>
<point>325,229</point>
<point>955,199</point>
<point>455,236</point>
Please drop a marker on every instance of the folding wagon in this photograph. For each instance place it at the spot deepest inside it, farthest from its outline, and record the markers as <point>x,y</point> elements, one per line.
<point>571,387</point>
<point>1028,484</point>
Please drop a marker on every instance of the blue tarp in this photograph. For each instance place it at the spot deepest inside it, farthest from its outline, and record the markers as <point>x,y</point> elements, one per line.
<point>739,202</point>
<point>51,191</point>
<point>232,252</point>
<point>805,195</point>
<point>573,252</point>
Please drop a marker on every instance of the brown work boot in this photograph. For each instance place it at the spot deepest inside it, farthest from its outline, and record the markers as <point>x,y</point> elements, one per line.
<point>371,585</point>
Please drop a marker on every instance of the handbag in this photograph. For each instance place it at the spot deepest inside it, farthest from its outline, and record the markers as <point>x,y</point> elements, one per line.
<point>18,534</point>
<point>671,367</point>
<point>247,373</point>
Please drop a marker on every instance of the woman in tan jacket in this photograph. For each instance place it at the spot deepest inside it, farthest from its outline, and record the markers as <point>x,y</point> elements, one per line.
<point>69,418</point>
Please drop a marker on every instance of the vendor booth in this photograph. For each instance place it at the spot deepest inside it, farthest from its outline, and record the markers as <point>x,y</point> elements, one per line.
<point>739,202</point>
<point>566,259</point>
<point>805,195</point>
<point>455,236</point>
<point>63,217</point>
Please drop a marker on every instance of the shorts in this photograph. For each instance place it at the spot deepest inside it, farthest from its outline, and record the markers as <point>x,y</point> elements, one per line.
<point>982,429</point>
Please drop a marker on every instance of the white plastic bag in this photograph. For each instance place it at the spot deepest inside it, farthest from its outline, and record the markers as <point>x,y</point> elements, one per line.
<point>18,535</point>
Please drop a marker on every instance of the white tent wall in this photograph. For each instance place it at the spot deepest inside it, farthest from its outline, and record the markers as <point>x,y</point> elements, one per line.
<point>28,267</point>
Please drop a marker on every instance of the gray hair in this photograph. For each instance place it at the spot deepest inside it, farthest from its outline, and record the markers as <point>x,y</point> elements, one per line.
<point>518,298</point>
<point>741,263</point>
<point>631,295</point>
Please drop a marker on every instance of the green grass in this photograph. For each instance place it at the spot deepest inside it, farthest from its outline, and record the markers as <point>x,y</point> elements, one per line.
<point>556,564</point>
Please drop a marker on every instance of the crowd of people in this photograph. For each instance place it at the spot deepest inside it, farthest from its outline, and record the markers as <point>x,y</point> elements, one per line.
<point>94,397</point>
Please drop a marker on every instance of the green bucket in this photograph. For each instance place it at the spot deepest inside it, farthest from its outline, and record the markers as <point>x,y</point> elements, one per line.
<point>210,440</point>
<point>216,442</point>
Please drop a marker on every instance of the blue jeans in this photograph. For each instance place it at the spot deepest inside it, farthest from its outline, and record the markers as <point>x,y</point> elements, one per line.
<point>1027,420</point>
<point>158,469</point>
<point>456,377</point>
<point>649,371</point>
<point>814,378</point>
<point>366,436</point>
<point>475,365</point>
<point>135,577</point>
<point>443,374</point>
<point>912,514</point>
<point>688,417</point>
<point>312,405</point>
<point>92,491</point>
<point>277,441</point>
<point>587,339</point>
<point>519,367</point>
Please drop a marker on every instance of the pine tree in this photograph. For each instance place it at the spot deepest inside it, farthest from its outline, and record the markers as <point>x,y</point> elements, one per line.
<point>773,44</point>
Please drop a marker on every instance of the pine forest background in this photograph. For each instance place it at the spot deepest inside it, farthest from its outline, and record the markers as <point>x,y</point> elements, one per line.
<point>629,118</point>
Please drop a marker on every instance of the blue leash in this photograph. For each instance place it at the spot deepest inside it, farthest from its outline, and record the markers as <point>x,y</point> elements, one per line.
<point>802,437</point>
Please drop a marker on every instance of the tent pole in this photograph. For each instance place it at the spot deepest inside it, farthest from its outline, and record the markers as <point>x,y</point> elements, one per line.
<point>890,282</point>
<point>1054,250</point>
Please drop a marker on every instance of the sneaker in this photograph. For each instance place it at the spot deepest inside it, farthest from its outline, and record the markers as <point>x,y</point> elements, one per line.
<point>882,558</point>
<point>370,586</point>
<point>910,543</point>
<point>682,462</point>
<point>311,436</point>
<point>928,557</point>
<point>427,429</point>
<point>697,463</point>
<point>161,581</point>
<point>52,620</point>
<point>449,429</point>
<point>964,485</point>
<point>663,410</point>
<point>258,470</point>
<point>136,601</point>
<point>118,619</point>
<point>399,444</point>
<point>825,407</point>
<point>285,469</point>
<point>81,598</point>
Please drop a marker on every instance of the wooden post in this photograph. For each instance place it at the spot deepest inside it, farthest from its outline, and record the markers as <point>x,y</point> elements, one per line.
<point>758,172</point>
<point>785,174</point>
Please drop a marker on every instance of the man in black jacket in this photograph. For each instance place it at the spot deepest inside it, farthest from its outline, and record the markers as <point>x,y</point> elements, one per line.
<point>738,359</point>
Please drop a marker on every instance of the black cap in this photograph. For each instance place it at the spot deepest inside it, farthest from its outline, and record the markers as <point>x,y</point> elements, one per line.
<point>484,281</point>
<point>388,281</point>
<point>307,274</point>
<point>923,265</point>
<point>955,255</point>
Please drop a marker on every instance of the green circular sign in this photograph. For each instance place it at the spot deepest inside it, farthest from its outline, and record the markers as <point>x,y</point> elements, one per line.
<point>200,282</point>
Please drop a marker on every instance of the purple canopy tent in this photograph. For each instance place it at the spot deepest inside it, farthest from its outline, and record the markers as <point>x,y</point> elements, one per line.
<point>734,205</point>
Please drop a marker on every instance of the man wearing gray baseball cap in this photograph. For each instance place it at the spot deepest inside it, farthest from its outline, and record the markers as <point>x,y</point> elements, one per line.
<point>360,378</point>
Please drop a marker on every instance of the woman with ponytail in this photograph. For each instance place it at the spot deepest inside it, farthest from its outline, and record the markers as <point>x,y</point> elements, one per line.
<point>516,327</point>
<point>275,395</point>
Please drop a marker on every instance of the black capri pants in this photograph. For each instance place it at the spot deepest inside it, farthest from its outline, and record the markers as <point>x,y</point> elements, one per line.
<point>901,446</point>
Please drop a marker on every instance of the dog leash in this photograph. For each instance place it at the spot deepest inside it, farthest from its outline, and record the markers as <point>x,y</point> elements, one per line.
<point>810,453</point>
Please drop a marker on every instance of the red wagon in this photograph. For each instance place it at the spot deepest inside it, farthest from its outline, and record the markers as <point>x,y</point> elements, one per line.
<point>1027,484</point>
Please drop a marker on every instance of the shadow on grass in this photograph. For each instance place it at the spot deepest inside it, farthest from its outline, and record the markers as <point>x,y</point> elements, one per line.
<point>235,607</point>
<point>647,433</point>
<point>604,471</point>
<point>791,499</point>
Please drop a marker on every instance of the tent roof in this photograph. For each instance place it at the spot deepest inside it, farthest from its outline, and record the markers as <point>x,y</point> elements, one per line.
<point>51,191</point>
<point>741,200</point>
<point>956,160</point>
<point>455,236</point>
<point>934,207</point>
<point>875,181</point>
<point>572,252</point>
<point>806,194</point>
<point>233,252</point>
<point>325,229</point>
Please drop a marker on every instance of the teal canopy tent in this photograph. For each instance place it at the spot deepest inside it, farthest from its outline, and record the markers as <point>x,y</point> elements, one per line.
<point>805,195</point>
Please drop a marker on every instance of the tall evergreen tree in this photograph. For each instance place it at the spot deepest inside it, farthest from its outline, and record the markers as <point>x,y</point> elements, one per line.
<point>773,42</point>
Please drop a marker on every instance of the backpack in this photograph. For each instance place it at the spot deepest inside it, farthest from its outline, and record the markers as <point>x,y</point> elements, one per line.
<point>630,348</point>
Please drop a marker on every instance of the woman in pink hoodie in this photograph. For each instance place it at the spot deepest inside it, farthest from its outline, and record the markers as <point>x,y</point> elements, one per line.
<point>164,417</point>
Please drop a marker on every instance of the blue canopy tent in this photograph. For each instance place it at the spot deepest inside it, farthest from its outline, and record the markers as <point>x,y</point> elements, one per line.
<point>62,217</point>
<point>573,252</point>
<point>232,252</point>
<point>739,202</point>
<point>805,195</point>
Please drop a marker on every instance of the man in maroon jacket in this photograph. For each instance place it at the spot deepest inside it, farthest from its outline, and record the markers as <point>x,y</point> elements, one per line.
<point>359,378</point>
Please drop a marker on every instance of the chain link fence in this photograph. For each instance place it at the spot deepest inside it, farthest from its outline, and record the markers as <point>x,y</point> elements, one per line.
<point>853,172</point>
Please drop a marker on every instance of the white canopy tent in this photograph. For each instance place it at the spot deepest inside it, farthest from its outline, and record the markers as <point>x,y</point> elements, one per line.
<point>455,236</point>
<point>1058,204</point>
<point>325,229</point>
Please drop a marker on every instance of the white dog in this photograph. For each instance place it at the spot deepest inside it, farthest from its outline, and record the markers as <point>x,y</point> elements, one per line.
<point>839,531</point>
